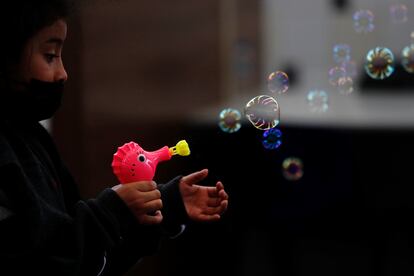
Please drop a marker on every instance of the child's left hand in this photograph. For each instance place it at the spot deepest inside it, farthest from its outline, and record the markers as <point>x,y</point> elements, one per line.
<point>202,203</point>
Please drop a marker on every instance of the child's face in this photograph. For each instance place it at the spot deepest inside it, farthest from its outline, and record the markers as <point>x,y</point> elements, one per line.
<point>42,55</point>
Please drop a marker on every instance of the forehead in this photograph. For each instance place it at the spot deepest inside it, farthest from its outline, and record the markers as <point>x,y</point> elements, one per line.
<point>57,30</point>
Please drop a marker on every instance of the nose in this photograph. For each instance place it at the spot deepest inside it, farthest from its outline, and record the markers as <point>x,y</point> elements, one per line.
<point>61,74</point>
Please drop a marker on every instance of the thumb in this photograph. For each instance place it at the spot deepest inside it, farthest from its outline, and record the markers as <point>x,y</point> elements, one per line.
<point>195,177</point>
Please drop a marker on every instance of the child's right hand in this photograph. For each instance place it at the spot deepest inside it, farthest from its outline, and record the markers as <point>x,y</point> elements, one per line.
<point>143,199</point>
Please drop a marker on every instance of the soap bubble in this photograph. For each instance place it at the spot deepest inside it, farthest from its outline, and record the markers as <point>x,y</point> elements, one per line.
<point>292,168</point>
<point>272,138</point>
<point>278,82</point>
<point>407,58</point>
<point>317,101</point>
<point>350,68</point>
<point>341,53</point>
<point>398,13</point>
<point>363,21</point>
<point>345,86</point>
<point>379,63</point>
<point>335,73</point>
<point>229,120</point>
<point>263,112</point>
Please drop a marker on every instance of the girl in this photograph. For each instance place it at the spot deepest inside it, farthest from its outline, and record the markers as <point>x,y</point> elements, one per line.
<point>45,226</point>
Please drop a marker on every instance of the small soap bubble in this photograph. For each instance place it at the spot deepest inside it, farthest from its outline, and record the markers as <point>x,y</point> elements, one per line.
<point>379,63</point>
<point>229,120</point>
<point>341,53</point>
<point>335,73</point>
<point>398,13</point>
<point>407,58</point>
<point>263,112</point>
<point>363,21</point>
<point>350,68</point>
<point>272,138</point>
<point>292,168</point>
<point>278,82</point>
<point>345,86</point>
<point>317,101</point>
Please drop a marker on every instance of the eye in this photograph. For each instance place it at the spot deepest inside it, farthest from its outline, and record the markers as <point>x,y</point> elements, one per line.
<point>50,57</point>
<point>141,158</point>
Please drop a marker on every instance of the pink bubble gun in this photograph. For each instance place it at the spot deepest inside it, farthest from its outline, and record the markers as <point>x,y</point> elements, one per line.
<point>132,163</point>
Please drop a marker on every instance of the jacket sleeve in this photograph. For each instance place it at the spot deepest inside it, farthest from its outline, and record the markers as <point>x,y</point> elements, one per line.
<point>174,214</point>
<point>99,237</point>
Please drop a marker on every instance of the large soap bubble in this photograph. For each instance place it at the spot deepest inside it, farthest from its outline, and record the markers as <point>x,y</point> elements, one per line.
<point>263,112</point>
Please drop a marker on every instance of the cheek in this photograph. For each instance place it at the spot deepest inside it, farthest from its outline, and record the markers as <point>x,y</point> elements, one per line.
<point>39,69</point>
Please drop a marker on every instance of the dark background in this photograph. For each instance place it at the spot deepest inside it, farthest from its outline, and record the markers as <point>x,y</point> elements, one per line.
<point>350,213</point>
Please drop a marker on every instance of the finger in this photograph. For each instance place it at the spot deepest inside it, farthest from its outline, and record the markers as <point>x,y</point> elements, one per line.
<point>222,208</point>
<point>152,219</point>
<point>214,202</point>
<point>206,217</point>
<point>149,196</point>
<point>223,195</point>
<point>151,206</point>
<point>195,177</point>
<point>212,191</point>
<point>214,210</point>
<point>144,186</point>
<point>219,186</point>
<point>221,192</point>
<point>224,205</point>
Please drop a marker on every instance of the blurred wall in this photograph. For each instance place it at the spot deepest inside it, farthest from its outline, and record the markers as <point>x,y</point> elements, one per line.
<point>136,69</point>
<point>299,36</point>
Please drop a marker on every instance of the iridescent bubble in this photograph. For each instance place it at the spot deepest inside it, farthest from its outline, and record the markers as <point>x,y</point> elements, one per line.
<point>407,58</point>
<point>317,101</point>
<point>272,138</point>
<point>278,82</point>
<point>398,13</point>
<point>263,112</point>
<point>292,168</point>
<point>335,74</point>
<point>341,53</point>
<point>379,63</point>
<point>350,68</point>
<point>345,86</point>
<point>363,21</point>
<point>229,120</point>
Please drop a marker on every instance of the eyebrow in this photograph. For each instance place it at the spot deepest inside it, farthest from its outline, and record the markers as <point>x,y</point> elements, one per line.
<point>55,40</point>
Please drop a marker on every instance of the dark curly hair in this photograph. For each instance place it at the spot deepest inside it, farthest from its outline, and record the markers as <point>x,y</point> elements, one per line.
<point>21,19</point>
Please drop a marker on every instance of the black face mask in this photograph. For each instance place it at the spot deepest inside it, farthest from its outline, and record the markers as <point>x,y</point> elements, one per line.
<point>37,101</point>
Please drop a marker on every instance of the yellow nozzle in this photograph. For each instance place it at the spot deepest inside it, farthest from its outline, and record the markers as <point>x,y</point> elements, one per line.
<point>181,149</point>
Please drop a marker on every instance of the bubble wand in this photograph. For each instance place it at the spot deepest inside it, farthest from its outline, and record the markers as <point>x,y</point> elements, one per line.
<point>132,163</point>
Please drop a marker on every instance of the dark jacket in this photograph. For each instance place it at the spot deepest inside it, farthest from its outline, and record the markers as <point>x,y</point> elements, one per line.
<point>45,227</point>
